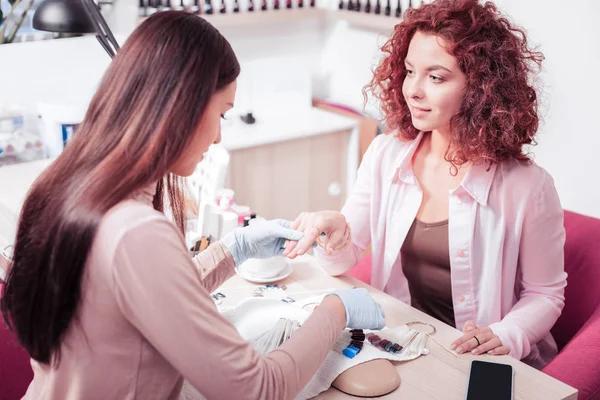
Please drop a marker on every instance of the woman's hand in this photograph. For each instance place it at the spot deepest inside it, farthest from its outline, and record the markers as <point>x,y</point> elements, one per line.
<point>327,229</point>
<point>261,239</point>
<point>362,311</point>
<point>479,340</point>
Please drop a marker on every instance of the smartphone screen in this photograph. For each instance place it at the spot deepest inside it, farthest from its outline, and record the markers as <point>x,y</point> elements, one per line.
<point>490,381</point>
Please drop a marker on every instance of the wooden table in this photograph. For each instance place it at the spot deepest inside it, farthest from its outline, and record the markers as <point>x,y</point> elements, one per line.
<point>441,375</point>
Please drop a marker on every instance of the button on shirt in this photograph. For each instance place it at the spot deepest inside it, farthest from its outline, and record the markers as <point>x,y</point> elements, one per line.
<point>506,240</point>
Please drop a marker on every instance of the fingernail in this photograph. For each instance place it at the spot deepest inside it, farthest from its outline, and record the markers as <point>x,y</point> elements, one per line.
<point>491,352</point>
<point>459,350</point>
<point>474,351</point>
<point>469,328</point>
<point>452,346</point>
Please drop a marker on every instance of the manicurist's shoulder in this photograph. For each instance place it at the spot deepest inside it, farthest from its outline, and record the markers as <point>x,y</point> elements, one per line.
<point>136,225</point>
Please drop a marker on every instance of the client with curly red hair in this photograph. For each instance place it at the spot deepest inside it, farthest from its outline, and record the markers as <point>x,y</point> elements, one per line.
<point>461,222</point>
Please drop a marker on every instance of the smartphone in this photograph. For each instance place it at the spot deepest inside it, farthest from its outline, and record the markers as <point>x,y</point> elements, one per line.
<point>490,381</point>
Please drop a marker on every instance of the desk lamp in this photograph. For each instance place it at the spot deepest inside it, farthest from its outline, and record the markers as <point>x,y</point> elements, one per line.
<point>75,16</point>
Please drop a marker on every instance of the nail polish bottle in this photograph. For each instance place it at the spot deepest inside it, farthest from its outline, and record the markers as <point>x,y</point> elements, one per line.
<point>236,6</point>
<point>181,6</point>
<point>208,8</point>
<point>350,5</point>
<point>300,4</point>
<point>388,9</point>
<point>378,7</point>
<point>195,8</point>
<point>142,9</point>
<point>398,9</point>
<point>341,5</point>
<point>288,4</point>
<point>358,6</point>
<point>409,3</point>
<point>313,3</point>
<point>223,8</point>
<point>368,7</point>
<point>263,5</point>
<point>250,5</point>
<point>275,4</point>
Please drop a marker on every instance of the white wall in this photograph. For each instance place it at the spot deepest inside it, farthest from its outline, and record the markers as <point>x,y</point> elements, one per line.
<point>68,70</point>
<point>569,139</point>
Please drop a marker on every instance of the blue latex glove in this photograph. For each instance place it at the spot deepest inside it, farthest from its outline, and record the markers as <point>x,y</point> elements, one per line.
<point>362,311</point>
<point>261,239</point>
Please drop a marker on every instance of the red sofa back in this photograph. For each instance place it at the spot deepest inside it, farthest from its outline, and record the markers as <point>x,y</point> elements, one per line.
<point>15,368</point>
<point>582,263</point>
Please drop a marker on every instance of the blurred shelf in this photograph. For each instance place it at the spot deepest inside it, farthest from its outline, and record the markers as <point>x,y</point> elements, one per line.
<point>238,20</point>
<point>372,22</point>
<point>258,18</point>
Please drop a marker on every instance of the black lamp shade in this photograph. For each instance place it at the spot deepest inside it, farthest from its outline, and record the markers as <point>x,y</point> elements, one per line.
<point>68,16</point>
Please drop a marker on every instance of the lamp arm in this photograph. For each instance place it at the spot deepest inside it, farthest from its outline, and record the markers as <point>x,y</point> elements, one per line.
<point>103,32</point>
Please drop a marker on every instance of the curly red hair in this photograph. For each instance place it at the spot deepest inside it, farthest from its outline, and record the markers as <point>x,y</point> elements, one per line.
<point>499,111</point>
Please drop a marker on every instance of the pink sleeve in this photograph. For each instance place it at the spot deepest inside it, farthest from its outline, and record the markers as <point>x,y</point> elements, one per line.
<point>542,277</point>
<point>357,211</point>
<point>215,265</point>
<point>160,291</point>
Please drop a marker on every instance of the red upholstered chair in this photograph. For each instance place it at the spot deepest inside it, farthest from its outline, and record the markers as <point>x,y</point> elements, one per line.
<point>15,369</point>
<point>577,331</point>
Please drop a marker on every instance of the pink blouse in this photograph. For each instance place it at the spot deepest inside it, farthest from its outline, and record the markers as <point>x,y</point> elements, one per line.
<point>506,239</point>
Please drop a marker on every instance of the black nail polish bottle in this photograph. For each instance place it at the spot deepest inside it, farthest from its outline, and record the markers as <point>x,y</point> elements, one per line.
<point>341,5</point>
<point>288,4</point>
<point>388,9</point>
<point>300,4</point>
<point>409,3</point>
<point>350,5</point>
<point>236,6</point>
<point>208,8</point>
<point>358,6</point>
<point>142,9</point>
<point>313,3</point>
<point>368,7</point>
<point>398,9</point>
<point>378,7</point>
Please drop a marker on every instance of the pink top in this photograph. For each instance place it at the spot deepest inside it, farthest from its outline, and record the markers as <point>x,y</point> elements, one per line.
<point>146,320</point>
<point>506,239</point>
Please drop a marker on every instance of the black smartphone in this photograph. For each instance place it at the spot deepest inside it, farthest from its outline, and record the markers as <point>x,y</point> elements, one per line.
<point>490,381</point>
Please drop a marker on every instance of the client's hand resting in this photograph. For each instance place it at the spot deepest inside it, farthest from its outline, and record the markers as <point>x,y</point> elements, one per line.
<point>479,340</point>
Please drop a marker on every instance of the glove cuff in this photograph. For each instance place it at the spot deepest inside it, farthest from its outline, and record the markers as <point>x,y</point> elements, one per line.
<point>340,295</point>
<point>231,242</point>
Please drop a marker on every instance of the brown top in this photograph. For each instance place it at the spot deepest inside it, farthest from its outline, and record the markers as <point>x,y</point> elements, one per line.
<point>426,265</point>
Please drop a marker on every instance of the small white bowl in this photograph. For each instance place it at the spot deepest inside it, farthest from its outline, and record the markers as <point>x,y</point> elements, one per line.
<point>266,268</point>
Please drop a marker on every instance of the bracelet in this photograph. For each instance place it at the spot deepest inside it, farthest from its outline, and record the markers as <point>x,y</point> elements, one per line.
<point>434,330</point>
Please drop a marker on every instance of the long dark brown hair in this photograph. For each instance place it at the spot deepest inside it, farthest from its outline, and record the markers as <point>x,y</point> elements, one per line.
<point>144,113</point>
